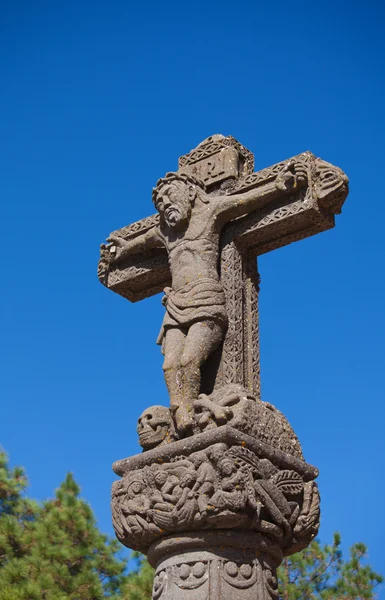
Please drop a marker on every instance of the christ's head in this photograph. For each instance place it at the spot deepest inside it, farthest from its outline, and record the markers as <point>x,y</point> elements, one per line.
<point>174,198</point>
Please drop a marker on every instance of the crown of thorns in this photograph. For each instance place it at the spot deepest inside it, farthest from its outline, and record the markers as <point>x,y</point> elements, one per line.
<point>170,177</point>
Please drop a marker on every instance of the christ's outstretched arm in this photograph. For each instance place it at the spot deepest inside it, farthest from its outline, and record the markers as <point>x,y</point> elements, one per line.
<point>120,248</point>
<point>292,176</point>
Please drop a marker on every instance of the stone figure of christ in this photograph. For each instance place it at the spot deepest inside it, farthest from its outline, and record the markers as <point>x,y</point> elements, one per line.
<point>189,228</point>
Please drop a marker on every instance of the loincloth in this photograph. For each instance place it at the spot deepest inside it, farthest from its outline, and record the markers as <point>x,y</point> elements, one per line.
<point>197,301</point>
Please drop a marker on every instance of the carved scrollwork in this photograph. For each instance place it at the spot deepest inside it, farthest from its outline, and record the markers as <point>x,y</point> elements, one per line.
<point>308,519</point>
<point>241,576</point>
<point>159,584</point>
<point>212,576</point>
<point>270,582</point>
<point>190,575</point>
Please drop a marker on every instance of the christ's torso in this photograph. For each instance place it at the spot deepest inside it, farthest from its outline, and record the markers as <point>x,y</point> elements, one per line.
<point>193,253</point>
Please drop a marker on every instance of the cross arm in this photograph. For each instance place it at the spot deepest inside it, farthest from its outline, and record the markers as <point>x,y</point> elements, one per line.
<point>301,212</point>
<point>291,177</point>
<point>308,209</point>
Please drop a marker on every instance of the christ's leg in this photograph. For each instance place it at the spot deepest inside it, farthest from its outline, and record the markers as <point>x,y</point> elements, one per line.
<point>201,340</point>
<point>173,349</point>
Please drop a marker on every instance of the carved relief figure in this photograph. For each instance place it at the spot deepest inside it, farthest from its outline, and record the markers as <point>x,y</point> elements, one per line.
<point>195,321</point>
<point>232,492</point>
<point>167,491</point>
<point>136,500</point>
<point>204,486</point>
<point>186,509</point>
<point>135,505</point>
<point>216,487</point>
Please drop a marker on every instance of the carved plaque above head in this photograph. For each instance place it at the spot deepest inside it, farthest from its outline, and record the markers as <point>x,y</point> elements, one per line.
<point>217,159</point>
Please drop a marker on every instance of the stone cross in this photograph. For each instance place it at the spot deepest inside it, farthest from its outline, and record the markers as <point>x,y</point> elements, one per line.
<point>221,492</point>
<point>226,167</point>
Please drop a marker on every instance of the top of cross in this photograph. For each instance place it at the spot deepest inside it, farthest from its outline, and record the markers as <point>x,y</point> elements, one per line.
<point>225,166</point>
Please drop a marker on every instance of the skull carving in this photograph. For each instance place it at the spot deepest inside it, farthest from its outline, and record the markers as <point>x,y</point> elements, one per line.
<point>155,427</point>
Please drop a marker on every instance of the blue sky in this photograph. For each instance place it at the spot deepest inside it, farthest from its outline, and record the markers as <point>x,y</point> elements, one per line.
<point>97,101</point>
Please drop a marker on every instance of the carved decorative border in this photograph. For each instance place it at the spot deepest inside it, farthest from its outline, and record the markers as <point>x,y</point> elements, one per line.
<point>215,144</point>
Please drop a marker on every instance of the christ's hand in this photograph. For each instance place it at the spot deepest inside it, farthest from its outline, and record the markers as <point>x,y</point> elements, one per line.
<point>118,246</point>
<point>292,176</point>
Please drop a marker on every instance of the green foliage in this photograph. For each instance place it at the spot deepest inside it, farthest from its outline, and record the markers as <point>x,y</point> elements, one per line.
<point>53,551</point>
<point>12,484</point>
<point>138,585</point>
<point>320,573</point>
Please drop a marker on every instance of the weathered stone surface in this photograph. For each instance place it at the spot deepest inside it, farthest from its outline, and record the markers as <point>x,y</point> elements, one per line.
<point>221,479</point>
<point>235,406</point>
<point>190,224</point>
<point>221,491</point>
<point>215,513</point>
<point>155,427</point>
<point>215,217</point>
<point>215,565</point>
<point>231,405</point>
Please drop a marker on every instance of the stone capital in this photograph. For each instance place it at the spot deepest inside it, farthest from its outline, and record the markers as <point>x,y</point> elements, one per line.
<point>222,479</point>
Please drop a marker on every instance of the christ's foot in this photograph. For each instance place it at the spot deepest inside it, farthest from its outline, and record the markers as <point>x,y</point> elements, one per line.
<point>183,419</point>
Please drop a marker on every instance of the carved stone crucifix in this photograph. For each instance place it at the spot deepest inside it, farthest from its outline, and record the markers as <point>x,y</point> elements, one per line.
<point>215,216</point>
